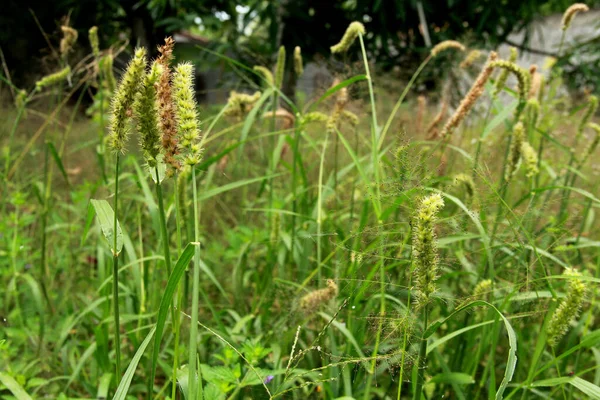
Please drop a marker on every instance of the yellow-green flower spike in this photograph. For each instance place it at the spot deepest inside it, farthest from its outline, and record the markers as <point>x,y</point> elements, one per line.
<point>280,68</point>
<point>352,32</point>
<point>424,248</point>
<point>124,98</point>
<point>145,109</point>
<point>68,40</point>
<point>503,76</point>
<point>298,64</point>
<point>568,309</point>
<point>266,74</point>
<point>53,79</point>
<point>530,160</point>
<point>94,42</point>
<point>514,155</point>
<point>187,115</point>
<point>106,69</point>
<point>522,75</point>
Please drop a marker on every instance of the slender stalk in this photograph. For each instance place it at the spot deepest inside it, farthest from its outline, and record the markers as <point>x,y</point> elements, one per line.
<point>422,361</point>
<point>178,301</point>
<point>163,222</point>
<point>117,342</point>
<point>195,383</point>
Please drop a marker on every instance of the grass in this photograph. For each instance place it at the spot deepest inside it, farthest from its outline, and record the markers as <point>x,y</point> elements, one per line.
<point>286,263</point>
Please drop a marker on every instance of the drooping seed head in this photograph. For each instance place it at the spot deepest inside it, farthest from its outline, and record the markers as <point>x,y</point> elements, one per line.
<point>145,110</point>
<point>298,64</point>
<point>503,76</point>
<point>94,42</point>
<point>350,117</point>
<point>312,301</point>
<point>424,247</point>
<point>280,68</point>
<point>53,79</point>
<point>446,45</point>
<point>568,309</point>
<point>68,40</point>
<point>314,116</point>
<point>470,59</point>
<point>186,112</point>
<point>571,12</point>
<point>240,104</point>
<point>469,100</point>
<point>522,75</point>
<point>354,29</point>
<point>124,98</point>
<point>465,182</point>
<point>266,74</point>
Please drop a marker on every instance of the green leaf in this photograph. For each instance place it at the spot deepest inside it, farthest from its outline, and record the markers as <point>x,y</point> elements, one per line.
<point>252,117</point>
<point>58,161</point>
<point>230,186</point>
<point>166,301</point>
<point>106,216</point>
<point>339,86</point>
<point>588,388</point>
<point>12,385</point>
<point>453,377</point>
<point>123,388</point>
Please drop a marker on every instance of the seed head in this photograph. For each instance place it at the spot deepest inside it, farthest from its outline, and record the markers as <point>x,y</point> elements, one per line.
<point>503,76</point>
<point>145,110</point>
<point>516,146</point>
<point>424,247</point>
<point>421,104</point>
<point>522,75</point>
<point>298,64</point>
<point>106,69</point>
<point>280,68</point>
<point>350,117</point>
<point>166,108</point>
<point>311,302</point>
<point>470,59</point>
<point>530,160</point>
<point>568,309</point>
<point>124,98</point>
<point>315,116</point>
<point>445,45</point>
<point>187,115</point>
<point>240,104</point>
<point>53,79</point>
<point>94,42</point>
<point>266,74</point>
<point>68,40</point>
<point>352,32</point>
<point>474,93</point>
<point>570,14</point>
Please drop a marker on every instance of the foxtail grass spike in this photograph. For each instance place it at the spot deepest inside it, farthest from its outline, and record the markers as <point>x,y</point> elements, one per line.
<point>298,64</point>
<point>240,104</point>
<point>466,183</point>
<point>470,59</point>
<point>187,115</point>
<point>570,14</point>
<point>266,74</point>
<point>311,302</point>
<point>424,248</point>
<point>123,100</point>
<point>522,75</point>
<point>168,120</point>
<point>421,105</point>
<point>530,160</point>
<point>145,109</point>
<point>474,93</point>
<point>280,68</point>
<point>446,45</point>
<point>514,155</point>
<point>354,29</point>
<point>53,79</point>
<point>68,40</point>
<point>350,117</point>
<point>568,309</point>
<point>94,42</point>
<point>503,76</point>
<point>314,116</point>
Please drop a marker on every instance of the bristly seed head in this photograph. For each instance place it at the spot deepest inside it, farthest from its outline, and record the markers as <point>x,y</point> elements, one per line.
<point>571,12</point>
<point>68,40</point>
<point>187,115</point>
<point>424,247</point>
<point>53,79</point>
<point>145,110</point>
<point>266,74</point>
<point>514,155</point>
<point>530,160</point>
<point>446,45</point>
<point>568,309</point>
<point>94,42</point>
<point>298,64</point>
<point>124,98</point>
<point>280,68</point>
<point>354,29</point>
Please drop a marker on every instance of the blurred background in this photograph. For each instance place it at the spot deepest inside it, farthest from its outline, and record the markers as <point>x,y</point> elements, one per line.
<point>400,32</point>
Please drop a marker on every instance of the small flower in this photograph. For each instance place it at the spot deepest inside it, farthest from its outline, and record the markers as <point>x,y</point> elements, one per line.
<point>352,32</point>
<point>268,379</point>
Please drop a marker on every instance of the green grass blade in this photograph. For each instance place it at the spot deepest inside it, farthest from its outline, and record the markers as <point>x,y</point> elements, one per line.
<point>123,388</point>
<point>105,215</point>
<point>14,387</point>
